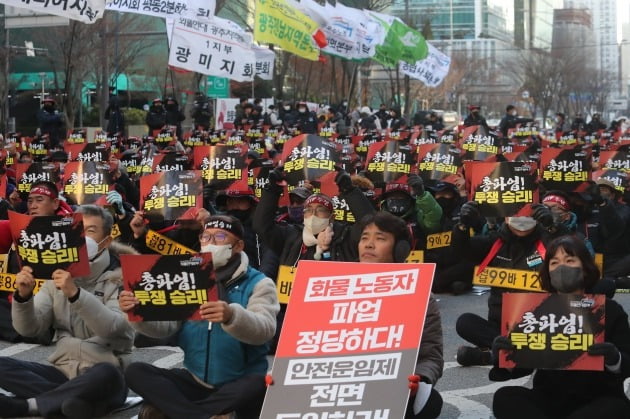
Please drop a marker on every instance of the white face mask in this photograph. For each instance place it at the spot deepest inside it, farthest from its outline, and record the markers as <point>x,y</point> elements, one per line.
<point>514,113</point>
<point>92,247</point>
<point>286,108</point>
<point>316,224</point>
<point>220,253</point>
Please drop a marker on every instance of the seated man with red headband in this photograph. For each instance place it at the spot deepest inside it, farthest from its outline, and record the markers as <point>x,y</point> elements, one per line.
<point>559,204</point>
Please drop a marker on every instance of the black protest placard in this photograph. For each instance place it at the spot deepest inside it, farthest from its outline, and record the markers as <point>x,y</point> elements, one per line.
<point>615,160</point>
<point>479,145</point>
<point>168,195</point>
<point>504,189</point>
<point>166,162</point>
<point>87,152</point>
<point>170,287</point>
<point>389,162</point>
<point>308,157</point>
<point>28,173</point>
<point>48,243</point>
<point>565,169</point>
<point>87,181</point>
<point>552,331</point>
<point>439,162</point>
<point>221,166</point>
<point>620,179</point>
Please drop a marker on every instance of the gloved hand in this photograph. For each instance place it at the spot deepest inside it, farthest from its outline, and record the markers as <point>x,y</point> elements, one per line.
<point>469,214</point>
<point>115,200</point>
<point>501,342</point>
<point>606,349</point>
<point>209,193</point>
<point>343,181</point>
<point>416,184</point>
<point>414,381</point>
<point>596,196</point>
<point>276,176</point>
<point>542,214</point>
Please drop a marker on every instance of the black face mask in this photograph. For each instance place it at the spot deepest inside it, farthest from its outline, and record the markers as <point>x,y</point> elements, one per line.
<point>242,215</point>
<point>171,107</point>
<point>447,204</point>
<point>398,207</point>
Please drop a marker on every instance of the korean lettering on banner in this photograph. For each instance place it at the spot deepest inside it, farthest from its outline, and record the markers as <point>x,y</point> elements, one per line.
<point>7,282</point>
<point>308,157</point>
<point>341,210</point>
<point>387,161</point>
<point>258,175</point>
<point>47,243</point>
<point>170,287</point>
<point>438,162</point>
<point>347,356</point>
<point>86,11</point>
<point>168,195</point>
<point>38,147</point>
<point>504,189</point>
<point>85,182</point>
<point>565,169</point>
<point>225,113</point>
<point>87,152</point>
<point>28,173</point>
<point>518,279</point>
<point>480,146</point>
<point>615,160</point>
<point>552,331</point>
<point>213,47</point>
<point>170,162</point>
<point>618,178</point>
<point>200,9</point>
<point>221,165</point>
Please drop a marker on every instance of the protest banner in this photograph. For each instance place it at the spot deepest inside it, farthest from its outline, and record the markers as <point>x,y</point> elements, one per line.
<point>214,47</point>
<point>389,162</point>
<point>170,162</point>
<point>87,181</point>
<point>431,70</point>
<point>28,173</point>
<point>86,11</point>
<point>168,195</point>
<point>225,113</point>
<point>504,189</point>
<point>169,287</point>
<point>478,145</point>
<point>615,160</point>
<point>308,157</point>
<point>48,243</point>
<point>353,353</point>
<point>87,152</point>
<point>565,169</point>
<point>618,178</point>
<point>552,331</point>
<point>278,22</point>
<point>200,9</point>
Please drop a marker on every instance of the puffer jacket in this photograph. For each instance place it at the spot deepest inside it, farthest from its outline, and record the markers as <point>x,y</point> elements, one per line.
<point>91,329</point>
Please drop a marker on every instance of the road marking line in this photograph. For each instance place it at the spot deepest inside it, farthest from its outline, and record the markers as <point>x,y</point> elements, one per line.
<point>17,348</point>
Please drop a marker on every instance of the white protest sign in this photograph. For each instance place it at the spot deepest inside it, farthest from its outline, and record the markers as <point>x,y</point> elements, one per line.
<point>197,9</point>
<point>86,11</point>
<point>431,71</point>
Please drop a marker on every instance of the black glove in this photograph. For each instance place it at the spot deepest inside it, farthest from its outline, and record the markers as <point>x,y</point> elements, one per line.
<point>469,214</point>
<point>416,184</point>
<point>608,350</point>
<point>343,181</point>
<point>275,176</point>
<point>542,214</point>
<point>208,193</point>
<point>596,197</point>
<point>501,342</point>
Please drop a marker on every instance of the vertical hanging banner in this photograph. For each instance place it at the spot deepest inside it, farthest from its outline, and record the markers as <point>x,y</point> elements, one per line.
<point>168,195</point>
<point>504,189</point>
<point>215,48</point>
<point>28,173</point>
<point>48,243</point>
<point>352,355</point>
<point>86,11</point>
<point>308,157</point>
<point>85,182</point>
<point>439,162</point>
<point>221,166</point>
<point>552,331</point>
<point>431,70</point>
<point>278,22</point>
<point>389,161</point>
<point>170,287</point>
<point>565,170</point>
<point>265,62</point>
<point>200,9</point>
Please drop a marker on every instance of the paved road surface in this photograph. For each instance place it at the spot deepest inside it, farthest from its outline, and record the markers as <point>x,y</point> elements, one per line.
<point>467,392</point>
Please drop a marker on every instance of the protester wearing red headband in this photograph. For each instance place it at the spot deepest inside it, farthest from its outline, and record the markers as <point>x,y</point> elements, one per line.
<point>558,203</point>
<point>43,199</point>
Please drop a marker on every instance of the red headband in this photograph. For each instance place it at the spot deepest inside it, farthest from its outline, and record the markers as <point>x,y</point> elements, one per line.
<point>42,190</point>
<point>558,200</point>
<point>319,199</point>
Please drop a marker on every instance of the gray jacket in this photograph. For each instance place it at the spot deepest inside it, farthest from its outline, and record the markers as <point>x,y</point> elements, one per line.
<point>91,329</point>
<point>431,356</point>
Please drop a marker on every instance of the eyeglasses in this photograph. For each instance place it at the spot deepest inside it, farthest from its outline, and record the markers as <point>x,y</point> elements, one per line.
<point>319,211</point>
<point>218,238</point>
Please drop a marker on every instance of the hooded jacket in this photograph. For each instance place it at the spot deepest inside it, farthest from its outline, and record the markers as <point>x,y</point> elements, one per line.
<point>234,349</point>
<point>91,329</point>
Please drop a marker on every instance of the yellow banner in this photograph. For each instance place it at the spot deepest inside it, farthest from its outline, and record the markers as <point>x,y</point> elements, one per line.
<point>437,240</point>
<point>284,284</point>
<point>276,22</point>
<point>508,278</point>
<point>165,246</point>
<point>7,283</point>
